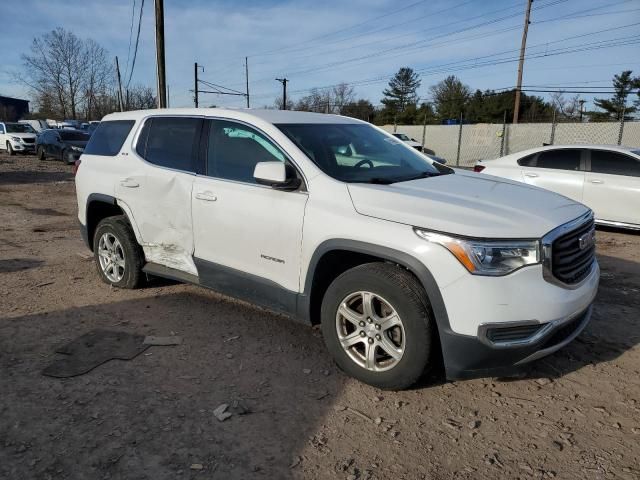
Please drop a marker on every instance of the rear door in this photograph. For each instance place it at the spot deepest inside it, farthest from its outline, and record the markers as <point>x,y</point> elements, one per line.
<point>612,186</point>
<point>156,188</point>
<point>558,170</point>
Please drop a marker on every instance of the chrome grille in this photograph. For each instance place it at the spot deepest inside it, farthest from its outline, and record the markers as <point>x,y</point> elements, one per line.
<point>29,140</point>
<point>573,253</point>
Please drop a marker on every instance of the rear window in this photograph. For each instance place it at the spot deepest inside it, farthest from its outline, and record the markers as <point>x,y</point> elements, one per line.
<point>74,136</point>
<point>528,161</point>
<point>170,142</point>
<point>108,138</point>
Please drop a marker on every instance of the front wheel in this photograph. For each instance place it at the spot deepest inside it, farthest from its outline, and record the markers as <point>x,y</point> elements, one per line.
<point>376,324</point>
<point>10,149</point>
<point>118,256</point>
<point>40,153</point>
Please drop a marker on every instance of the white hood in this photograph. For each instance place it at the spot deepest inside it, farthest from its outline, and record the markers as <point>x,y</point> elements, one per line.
<point>467,204</point>
<point>22,135</point>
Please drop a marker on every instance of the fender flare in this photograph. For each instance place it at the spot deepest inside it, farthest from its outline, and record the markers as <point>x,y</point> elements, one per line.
<point>111,200</point>
<point>396,256</point>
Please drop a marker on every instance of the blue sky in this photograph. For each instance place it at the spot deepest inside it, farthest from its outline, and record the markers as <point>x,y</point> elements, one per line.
<point>363,42</point>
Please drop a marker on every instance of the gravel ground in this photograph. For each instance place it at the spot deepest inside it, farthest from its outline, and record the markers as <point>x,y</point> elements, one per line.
<point>575,414</point>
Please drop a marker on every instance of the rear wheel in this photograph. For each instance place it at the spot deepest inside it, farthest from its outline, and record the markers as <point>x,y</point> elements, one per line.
<point>118,256</point>
<point>376,324</point>
<point>40,153</point>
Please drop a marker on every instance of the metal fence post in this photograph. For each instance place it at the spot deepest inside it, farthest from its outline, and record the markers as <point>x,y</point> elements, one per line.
<point>504,132</point>
<point>621,130</point>
<point>553,127</point>
<point>459,142</point>
<point>424,129</point>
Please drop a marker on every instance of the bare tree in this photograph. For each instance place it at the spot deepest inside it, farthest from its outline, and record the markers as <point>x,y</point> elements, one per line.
<point>343,94</point>
<point>66,73</point>
<point>568,109</point>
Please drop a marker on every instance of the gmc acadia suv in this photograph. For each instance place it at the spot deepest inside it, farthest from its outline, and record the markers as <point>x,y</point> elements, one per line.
<point>332,221</point>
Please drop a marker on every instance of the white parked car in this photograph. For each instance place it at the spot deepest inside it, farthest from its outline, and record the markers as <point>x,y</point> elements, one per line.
<point>605,178</point>
<point>413,143</point>
<point>333,221</point>
<point>17,137</point>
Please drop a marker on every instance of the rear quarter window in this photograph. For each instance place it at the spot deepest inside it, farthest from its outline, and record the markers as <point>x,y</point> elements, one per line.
<point>109,137</point>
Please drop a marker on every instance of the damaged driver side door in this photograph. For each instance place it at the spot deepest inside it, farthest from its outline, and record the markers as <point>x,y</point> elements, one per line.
<point>157,192</point>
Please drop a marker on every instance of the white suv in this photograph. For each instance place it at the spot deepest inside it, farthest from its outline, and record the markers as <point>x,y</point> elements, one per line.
<point>332,221</point>
<point>17,137</point>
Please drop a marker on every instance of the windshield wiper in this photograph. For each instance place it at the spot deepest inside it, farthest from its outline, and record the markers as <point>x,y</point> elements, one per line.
<point>381,181</point>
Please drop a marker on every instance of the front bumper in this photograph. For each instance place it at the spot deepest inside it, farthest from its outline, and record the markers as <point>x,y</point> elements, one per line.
<point>23,147</point>
<point>470,357</point>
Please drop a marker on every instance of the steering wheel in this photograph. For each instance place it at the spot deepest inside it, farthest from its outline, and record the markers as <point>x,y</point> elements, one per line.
<point>364,162</point>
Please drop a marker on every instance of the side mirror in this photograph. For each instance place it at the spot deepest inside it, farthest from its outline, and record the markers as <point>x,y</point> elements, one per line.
<point>277,175</point>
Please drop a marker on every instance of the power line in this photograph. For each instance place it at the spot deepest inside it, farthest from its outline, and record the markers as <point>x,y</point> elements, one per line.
<point>622,41</point>
<point>334,32</point>
<point>135,51</point>
<point>133,16</point>
<point>413,45</point>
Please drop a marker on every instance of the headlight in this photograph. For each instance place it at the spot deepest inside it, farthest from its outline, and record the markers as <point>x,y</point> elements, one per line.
<point>16,139</point>
<point>77,149</point>
<point>488,257</point>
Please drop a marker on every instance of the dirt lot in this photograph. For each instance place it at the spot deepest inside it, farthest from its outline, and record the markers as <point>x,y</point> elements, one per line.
<point>575,414</point>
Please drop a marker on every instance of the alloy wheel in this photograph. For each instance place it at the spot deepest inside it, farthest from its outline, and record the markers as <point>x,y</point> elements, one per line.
<point>111,256</point>
<point>370,331</point>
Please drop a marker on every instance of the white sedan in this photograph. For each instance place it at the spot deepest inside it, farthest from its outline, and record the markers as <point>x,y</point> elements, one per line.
<point>605,178</point>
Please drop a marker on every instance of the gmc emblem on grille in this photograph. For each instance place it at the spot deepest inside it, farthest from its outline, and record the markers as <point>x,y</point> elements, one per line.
<point>588,239</point>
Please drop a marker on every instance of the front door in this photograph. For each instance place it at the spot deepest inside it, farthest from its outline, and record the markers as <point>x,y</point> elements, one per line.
<point>612,187</point>
<point>248,237</point>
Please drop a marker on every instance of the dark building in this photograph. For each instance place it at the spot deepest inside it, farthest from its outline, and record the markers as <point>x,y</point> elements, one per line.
<point>13,109</point>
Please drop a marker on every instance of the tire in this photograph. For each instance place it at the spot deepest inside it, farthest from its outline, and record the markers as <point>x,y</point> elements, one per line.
<point>64,157</point>
<point>414,338</point>
<point>40,154</point>
<point>126,274</point>
<point>10,149</point>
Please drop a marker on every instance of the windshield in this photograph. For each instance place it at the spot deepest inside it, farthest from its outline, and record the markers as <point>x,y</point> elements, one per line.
<point>71,136</point>
<point>401,136</point>
<point>360,153</point>
<point>637,152</point>
<point>19,128</point>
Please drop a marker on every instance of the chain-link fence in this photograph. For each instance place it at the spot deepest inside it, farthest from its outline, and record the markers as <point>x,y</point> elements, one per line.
<point>464,144</point>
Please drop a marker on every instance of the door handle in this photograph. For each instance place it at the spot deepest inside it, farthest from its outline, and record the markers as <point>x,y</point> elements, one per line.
<point>597,181</point>
<point>531,175</point>
<point>206,196</point>
<point>129,183</point>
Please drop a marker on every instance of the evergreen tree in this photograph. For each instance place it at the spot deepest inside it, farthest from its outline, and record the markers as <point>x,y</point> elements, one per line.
<point>616,106</point>
<point>400,94</point>
<point>450,96</point>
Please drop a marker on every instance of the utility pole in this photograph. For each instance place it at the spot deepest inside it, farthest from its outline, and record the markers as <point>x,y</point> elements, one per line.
<point>581,102</point>
<point>120,100</point>
<point>283,81</point>
<point>523,47</point>
<point>162,79</point>
<point>246,75</point>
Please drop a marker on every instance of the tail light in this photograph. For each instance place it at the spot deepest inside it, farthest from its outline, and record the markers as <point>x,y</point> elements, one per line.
<point>76,166</point>
<point>478,168</point>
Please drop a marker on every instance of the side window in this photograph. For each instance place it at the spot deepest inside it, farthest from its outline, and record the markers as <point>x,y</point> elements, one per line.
<point>108,138</point>
<point>170,142</point>
<point>528,161</point>
<point>614,163</point>
<point>1,129</point>
<point>234,150</point>
<point>559,159</point>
